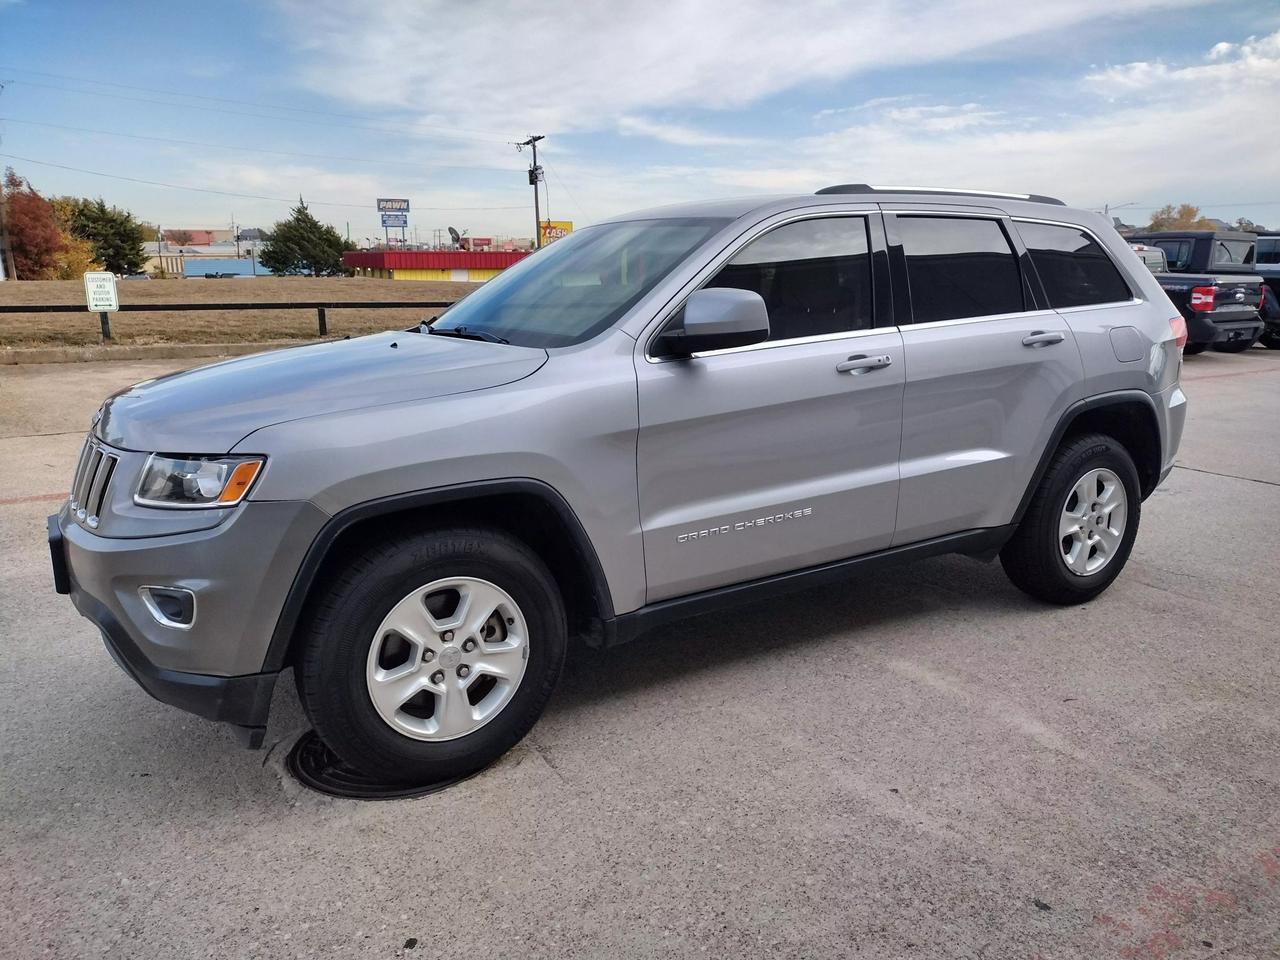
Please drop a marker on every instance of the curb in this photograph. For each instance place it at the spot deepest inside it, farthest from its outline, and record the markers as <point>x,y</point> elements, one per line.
<point>149,351</point>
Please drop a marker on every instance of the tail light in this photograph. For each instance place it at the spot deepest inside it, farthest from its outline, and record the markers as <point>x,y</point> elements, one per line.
<point>1202,298</point>
<point>1179,327</point>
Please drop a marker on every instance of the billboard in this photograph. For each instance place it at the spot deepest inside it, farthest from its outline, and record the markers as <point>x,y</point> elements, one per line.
<point>554,230</point>
<point>395,220</point>
<point>386,205</point>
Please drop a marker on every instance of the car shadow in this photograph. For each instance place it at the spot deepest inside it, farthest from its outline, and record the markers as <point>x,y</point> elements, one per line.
<point>844,613</point>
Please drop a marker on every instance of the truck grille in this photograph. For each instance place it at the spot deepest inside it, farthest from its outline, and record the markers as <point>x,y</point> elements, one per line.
<point>92,480</point>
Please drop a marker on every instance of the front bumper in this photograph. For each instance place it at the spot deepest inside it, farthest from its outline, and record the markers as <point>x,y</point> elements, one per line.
<point>240,572</point>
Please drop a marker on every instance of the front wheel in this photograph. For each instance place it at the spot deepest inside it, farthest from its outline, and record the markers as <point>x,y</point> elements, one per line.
<point>1191,349</point>
<point>1079,529</point>
<point>431,655</point>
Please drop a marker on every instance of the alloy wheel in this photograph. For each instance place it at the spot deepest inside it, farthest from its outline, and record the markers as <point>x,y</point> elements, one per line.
<point>447,658</point>
<point>1092,523</point>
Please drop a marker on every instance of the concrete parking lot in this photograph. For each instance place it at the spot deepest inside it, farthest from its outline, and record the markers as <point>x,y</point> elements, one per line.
<point>922,764</point>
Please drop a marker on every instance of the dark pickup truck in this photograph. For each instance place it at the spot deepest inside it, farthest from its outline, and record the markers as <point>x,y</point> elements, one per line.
<point>1268,267</point>
<point>1213,283</point>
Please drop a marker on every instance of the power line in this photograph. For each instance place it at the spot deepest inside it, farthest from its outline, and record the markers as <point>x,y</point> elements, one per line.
<point>572,199</point>
<point>261,116</point>
<point>495,138</point>
<point>228,146</point>
<point>223,193</point>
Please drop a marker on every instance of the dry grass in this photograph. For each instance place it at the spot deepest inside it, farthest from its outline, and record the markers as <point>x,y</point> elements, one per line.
<point>214,326</point>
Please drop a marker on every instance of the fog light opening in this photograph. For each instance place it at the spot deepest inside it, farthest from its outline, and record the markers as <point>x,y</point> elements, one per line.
<point>170,606</point>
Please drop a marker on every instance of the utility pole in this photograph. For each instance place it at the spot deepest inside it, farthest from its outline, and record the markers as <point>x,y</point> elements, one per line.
<point>535,174</point>
<point>7,270</point>
<point>235,233</point>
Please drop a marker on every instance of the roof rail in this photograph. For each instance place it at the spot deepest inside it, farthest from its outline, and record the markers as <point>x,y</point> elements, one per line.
<point>952,191</point>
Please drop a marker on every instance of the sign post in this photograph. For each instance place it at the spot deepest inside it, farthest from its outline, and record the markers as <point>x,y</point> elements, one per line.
<point>395,213</point>
<point>101,297</point>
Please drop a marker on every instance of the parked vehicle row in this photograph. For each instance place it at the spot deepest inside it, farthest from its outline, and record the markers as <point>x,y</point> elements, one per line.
<point>1212,278</point>
<point>654,417</point>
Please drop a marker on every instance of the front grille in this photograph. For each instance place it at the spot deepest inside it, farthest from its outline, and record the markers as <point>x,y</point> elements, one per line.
<point>92,480</point>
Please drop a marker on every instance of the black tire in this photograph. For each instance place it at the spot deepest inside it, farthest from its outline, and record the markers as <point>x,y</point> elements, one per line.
<point>1191,349</point>
<point>1234,346</point>
<point>1271,339</point>
<point>1032,558</point>
<point>330,670</point>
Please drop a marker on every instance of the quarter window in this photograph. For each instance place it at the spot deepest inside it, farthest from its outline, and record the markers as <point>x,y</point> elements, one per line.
<point>959,267</point>
<point>814,276</point>
<point>1073,267</point>
<point>1269,249</point>
<point>1233,251</point>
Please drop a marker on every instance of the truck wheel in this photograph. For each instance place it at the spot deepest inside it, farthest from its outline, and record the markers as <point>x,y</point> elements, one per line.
<point>1191,349</point>
<point>430,656</point>
<point>1271,339</point>
<point>1234,346</point>
<point>1077,533</point>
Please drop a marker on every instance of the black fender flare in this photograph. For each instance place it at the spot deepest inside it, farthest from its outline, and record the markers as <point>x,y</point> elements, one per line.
<point>1069,416</point>
<point>291,612</point>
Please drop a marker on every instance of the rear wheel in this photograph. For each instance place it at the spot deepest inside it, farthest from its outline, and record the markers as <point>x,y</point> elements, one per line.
<point>1079,529</point>
<point>430,656</point>
<point>1191,349</point>
<point>1271,339</point>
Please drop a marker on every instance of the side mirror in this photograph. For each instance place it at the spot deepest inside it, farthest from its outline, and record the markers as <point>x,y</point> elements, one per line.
<point>716,318</point>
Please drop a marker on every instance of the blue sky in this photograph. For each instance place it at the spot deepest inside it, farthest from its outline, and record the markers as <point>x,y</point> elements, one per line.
<point>1098,101</point>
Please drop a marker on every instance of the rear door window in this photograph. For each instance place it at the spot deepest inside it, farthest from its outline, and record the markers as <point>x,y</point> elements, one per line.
<point>814,276</point>
<point>1073,267</point>
<point>959,267</point>
<point>1177,252</point>
<point>1269,250</point>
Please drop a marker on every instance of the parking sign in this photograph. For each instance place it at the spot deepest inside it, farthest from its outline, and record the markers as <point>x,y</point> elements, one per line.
<point>100,292</point>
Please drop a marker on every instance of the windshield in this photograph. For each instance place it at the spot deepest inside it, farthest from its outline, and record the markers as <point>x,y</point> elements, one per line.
<point>577,287</point>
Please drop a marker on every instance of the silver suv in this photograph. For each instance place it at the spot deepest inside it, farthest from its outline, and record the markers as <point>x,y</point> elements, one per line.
<point>655,416</point>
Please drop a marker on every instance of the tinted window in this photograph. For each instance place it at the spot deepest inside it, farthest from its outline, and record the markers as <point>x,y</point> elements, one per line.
<point>814,276</point>
<point>1073,267</point>
<point>1178,252</point>
<point>959,267</point>
<point>1233,251</point>
<point>1269,249</point>
<point>575,288</point>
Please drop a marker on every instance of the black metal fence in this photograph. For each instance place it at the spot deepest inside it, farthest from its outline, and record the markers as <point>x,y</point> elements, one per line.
<point>320,307</point>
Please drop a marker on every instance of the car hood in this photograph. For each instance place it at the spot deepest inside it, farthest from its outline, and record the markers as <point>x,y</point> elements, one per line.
<point>209,409</point>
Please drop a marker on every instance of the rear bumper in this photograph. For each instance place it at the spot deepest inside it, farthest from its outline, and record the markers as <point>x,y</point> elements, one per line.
<point>1201,328</point>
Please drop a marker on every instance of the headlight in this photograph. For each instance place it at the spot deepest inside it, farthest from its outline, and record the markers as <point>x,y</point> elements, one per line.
<point>196,481</point>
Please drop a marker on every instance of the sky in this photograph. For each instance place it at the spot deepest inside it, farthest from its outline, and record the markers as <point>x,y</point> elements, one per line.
<point>239,108</point>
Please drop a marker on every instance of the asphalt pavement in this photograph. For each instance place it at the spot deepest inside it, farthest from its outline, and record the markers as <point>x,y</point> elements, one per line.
<point>923,763</point>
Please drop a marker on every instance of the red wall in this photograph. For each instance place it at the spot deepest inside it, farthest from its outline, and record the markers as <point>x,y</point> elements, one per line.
<point>430,259</point>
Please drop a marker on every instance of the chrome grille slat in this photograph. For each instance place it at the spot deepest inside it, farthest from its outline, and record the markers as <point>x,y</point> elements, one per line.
<point>82,491</point>
<point>98,491</point>
<point>92,482</point>
<point>79,474</point>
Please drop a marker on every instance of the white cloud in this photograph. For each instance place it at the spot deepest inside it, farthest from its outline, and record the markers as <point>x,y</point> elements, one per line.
<point>563,65</point>
<point>677,134</point>
<point>1228,68</point>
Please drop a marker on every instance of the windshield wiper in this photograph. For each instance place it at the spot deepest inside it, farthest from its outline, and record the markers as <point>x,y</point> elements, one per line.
<point>465,334</point>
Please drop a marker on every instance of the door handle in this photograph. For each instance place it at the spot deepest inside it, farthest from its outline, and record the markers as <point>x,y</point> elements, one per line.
<point>1042,338</point>
<point>861,363</point>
